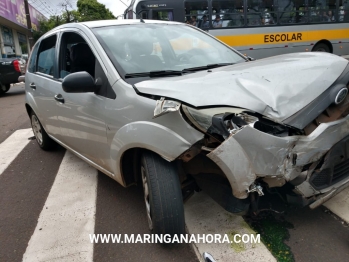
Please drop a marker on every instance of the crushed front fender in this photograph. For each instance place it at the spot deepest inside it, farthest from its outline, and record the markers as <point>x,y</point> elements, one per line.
<point>250,153</point>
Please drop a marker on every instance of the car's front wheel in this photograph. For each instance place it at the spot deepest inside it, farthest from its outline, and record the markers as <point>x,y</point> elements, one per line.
<point>162,195</point>
<point>44,141</point>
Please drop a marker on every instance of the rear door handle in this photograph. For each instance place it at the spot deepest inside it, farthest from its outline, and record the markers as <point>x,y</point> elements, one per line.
<point>59,98</point>
<point>32,85</point>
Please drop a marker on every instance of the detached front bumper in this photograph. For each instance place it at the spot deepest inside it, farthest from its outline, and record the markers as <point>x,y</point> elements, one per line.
<point>250,154</point>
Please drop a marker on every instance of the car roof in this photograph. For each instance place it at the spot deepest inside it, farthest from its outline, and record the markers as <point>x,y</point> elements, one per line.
<point>111,22</point>
<point>101,23</point>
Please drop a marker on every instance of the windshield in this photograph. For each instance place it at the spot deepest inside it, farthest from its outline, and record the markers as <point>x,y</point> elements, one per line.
<point>143,48</point>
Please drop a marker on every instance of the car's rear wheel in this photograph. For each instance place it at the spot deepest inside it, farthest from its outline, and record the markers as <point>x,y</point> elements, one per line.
<point>44,141</point>
<point>4,88</point>
<point>162,195</point>
<point>321,47</point>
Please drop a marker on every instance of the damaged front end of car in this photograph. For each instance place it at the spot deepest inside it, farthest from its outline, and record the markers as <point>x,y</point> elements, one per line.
<point>244,153</point>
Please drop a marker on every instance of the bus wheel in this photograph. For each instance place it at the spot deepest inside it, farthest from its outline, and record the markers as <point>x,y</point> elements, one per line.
<point>321,47</point>
<point>162,194</point>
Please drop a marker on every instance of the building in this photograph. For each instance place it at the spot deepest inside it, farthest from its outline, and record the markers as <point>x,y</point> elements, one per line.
<point>14,33</point>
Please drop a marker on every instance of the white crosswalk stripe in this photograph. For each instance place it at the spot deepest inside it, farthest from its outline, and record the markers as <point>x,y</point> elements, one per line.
<point>12,146</point>
<point>68,216</point>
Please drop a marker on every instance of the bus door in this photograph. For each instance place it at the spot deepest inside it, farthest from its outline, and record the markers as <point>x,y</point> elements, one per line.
<point>161,14</point>
<point>144,14</point>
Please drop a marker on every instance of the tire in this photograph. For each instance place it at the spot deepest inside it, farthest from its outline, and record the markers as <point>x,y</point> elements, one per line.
<point>44,141</point>
<point>4,88</point>
<point>321,47</point>
<point>162,195</point>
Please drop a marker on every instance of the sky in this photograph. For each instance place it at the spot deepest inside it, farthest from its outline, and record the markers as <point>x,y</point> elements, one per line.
<point>115,6</point>
<point>51,7</point>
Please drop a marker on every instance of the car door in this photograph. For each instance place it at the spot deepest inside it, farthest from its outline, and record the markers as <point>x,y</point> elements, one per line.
<point>42,83</point>
<point>81,115</point>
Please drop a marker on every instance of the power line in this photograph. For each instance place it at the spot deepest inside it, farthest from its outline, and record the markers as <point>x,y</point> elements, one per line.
<point>42,7</point>
<point>123,3</point>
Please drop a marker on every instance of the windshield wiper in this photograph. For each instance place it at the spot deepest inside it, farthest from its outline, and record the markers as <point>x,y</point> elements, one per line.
<point>161,73</point>
<point>155,73</point>
<point>210,66</point>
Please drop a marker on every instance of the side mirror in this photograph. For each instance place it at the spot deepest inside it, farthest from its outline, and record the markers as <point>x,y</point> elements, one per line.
<point>79,82</point>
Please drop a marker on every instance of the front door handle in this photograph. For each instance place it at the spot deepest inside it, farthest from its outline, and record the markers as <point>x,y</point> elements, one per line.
<point>32,85</point>
<point>59,98</point>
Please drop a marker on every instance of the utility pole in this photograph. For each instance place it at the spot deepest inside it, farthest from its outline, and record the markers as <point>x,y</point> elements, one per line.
<point>29,25</point>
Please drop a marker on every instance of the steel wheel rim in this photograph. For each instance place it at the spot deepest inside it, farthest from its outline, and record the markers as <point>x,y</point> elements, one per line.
<point>146,197</point>
<point>37,129</point>
<point>321,49</point>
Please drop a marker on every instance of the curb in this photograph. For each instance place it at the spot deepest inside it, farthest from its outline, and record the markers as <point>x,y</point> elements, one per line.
<point>204,216</point>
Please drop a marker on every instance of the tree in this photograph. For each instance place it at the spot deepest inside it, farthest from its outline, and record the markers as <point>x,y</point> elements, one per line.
<point>92,10</point>
<point>69,15</point>
<point>46,25</point>
<point>88,10</point>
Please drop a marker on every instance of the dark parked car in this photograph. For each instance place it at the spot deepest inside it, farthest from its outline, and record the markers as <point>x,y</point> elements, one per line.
<point>10,70</point>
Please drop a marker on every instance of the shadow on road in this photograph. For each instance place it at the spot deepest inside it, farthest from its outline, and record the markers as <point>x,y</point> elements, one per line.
<point>122,211</point>
<point>14,91</point>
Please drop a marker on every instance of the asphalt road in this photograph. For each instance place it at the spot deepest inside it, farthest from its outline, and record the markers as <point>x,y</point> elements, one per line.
<point>24,186</point>
<point>13,115</point>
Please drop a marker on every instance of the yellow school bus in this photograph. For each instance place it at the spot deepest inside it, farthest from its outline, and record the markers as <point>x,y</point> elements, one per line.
<point>259,28</point>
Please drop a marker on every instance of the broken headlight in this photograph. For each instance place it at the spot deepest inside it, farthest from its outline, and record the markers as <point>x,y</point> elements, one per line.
<point>165,106</point>
<point>221,120</point>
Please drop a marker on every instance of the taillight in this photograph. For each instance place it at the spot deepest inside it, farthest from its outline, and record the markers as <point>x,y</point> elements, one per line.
<point>16,66</point>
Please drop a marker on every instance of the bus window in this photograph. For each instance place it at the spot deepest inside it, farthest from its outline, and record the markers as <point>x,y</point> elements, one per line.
<point>166,15</point>
<point>227,13</point>
<point>343,11</point>
<point>293,11</point>
<point>196,13</point>
<point>261,13</point>
<point>323,11</point>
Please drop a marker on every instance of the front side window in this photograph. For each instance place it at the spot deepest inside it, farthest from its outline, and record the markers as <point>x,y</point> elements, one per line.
<point>46,56</point>
<point>75,55</point>
<point>153,47</point>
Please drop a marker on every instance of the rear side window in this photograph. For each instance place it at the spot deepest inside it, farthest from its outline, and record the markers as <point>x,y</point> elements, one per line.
<point>46,56</point>
<point>32,61</point>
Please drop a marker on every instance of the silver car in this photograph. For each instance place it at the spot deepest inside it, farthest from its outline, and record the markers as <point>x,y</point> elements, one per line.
<point>168,106</point>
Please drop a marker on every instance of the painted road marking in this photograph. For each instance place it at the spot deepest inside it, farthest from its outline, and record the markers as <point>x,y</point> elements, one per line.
<point>68,216</point>
<point>204,216</point>
<point>12,146</point>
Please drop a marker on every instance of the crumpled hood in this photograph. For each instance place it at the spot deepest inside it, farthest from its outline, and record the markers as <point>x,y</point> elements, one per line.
<point>276,87</point>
